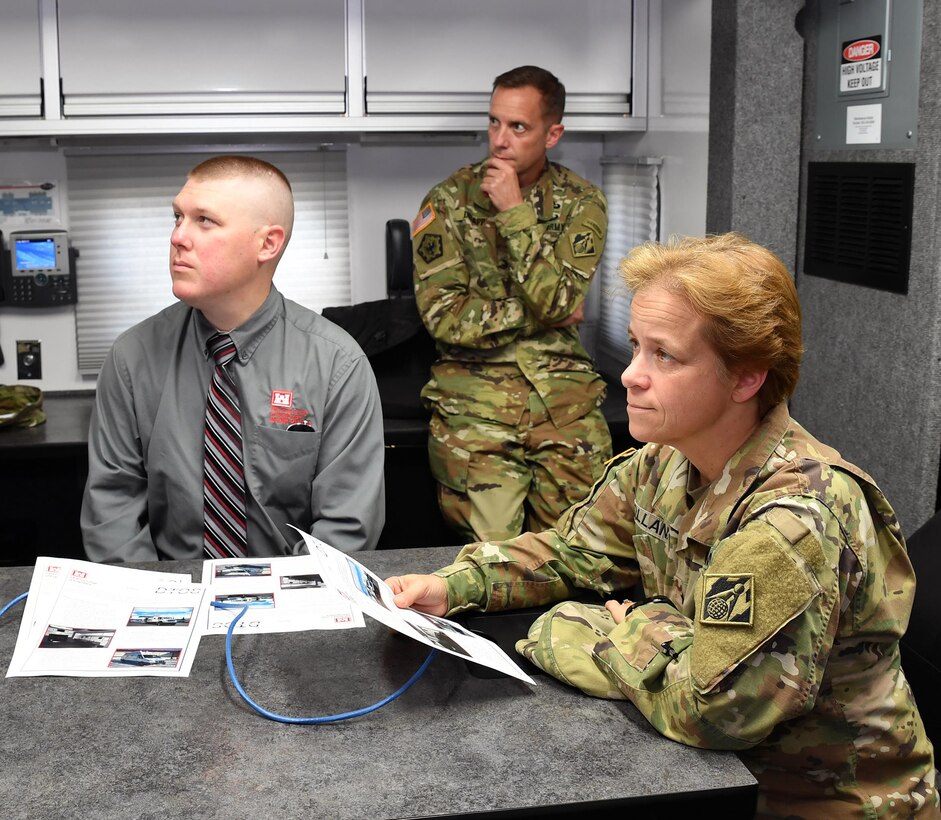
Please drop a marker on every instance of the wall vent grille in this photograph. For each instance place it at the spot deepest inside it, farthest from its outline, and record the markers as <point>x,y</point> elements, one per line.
<point>859,223</point>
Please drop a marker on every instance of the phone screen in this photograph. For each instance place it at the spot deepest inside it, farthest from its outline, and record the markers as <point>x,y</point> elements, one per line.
<point>35,254</point>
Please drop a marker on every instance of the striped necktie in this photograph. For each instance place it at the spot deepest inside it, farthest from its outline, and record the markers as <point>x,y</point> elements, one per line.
<point>224,531</point>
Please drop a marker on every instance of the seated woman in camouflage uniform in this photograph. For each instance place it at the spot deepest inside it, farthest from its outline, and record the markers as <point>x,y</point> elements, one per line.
<point>776,582</point>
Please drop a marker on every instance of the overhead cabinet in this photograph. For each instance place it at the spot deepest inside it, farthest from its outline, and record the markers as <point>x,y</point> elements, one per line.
<point>430,56</point>
<point>20,84</point>
<point>86,67</point>
<point>202,56</point>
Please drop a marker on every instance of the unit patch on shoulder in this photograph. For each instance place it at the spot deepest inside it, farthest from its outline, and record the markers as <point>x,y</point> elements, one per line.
<point>598,229</point>
<point>583,244</point>
<point>425,217</point>
<point>430,247</point>
<point>728,600</point>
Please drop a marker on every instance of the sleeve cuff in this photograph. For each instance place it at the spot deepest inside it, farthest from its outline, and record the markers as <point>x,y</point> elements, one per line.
<point>466,589</point>
<point>516,219</point>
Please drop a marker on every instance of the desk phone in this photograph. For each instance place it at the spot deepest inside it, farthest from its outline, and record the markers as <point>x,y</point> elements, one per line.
<point>39,270</point>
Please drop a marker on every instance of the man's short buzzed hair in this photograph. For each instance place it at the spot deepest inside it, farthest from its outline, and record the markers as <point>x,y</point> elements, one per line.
<point>545,82</point>
<point>229,166</point>
<point>237,165</point>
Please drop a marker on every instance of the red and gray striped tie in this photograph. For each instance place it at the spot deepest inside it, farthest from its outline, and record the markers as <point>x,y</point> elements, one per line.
<point>224,531</point>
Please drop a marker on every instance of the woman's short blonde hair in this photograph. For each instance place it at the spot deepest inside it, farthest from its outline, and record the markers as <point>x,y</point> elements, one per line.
<point>744,292</point>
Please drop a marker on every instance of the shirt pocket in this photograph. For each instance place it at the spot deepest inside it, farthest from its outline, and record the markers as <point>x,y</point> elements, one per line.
<point>283,466</point>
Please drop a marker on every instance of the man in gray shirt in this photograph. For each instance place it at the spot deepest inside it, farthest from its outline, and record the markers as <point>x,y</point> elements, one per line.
<point>311,419</point>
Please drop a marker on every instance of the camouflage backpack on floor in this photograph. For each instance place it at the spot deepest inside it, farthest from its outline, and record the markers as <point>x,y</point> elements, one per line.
<point>20,406</point>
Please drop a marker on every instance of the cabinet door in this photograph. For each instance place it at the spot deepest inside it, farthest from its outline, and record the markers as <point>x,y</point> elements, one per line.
<point>20,86</point>
<point>202,56</point>
<point>425,56</point>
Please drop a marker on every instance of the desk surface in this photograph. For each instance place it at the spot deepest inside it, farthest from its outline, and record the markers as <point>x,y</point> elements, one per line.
<point>454,744</point>
<point>65,428</point>
<point>68,415</point>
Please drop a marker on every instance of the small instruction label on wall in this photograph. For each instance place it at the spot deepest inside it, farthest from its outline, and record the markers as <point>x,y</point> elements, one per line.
<point>864,124</point>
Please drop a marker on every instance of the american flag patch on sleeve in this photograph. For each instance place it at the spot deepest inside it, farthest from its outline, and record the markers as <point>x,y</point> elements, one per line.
<point>425,217</point>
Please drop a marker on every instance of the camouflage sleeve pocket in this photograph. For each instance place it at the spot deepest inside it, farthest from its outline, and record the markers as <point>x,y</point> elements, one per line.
<point>578,270</point>
<point>424,271</point>
<point>640,640</point>
<point>560,643</point>
<point>758,582</point>
<point>582,646</point>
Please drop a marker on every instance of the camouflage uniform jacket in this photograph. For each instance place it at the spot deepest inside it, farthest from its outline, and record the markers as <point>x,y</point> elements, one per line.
<point>790,587</point>
<point>489,286</point>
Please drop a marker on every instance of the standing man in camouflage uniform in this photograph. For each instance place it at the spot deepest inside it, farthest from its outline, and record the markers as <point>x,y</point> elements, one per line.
<point>504,253</point>
<point>776,584</point>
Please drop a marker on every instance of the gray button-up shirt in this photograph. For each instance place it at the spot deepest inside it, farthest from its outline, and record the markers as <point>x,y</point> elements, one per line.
<point>144,497</point>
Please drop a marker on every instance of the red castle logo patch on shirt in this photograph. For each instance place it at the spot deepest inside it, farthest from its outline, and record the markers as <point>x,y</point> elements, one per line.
<point>283,410</point>
<point>282,398</point>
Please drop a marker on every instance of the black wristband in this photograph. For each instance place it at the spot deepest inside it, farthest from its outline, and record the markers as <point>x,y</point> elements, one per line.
<point>653,599</point>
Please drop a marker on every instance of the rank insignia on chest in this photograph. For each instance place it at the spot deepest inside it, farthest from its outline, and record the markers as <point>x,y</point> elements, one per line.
<point>430,247</point>
<point>583,244</point>
<point>728,600</point>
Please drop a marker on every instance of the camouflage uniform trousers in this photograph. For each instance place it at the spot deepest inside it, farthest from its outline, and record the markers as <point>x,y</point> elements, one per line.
<point>492,476</point>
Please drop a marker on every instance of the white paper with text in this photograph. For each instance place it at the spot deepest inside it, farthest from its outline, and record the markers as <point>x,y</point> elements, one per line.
<point>283,594</point>
<point>101,620</point>
<point>374,597</point>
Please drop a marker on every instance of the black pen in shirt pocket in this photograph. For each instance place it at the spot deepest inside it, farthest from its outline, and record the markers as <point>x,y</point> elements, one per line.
<point>301,428</point>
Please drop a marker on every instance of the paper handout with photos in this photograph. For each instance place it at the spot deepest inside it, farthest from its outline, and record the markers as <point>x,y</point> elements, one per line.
<point>283,594</point>
<point>374,597</point>
<point>97,620</point>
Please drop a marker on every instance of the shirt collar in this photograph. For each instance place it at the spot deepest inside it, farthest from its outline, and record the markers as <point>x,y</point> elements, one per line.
<point>706,521</point>
<point>250,333</point>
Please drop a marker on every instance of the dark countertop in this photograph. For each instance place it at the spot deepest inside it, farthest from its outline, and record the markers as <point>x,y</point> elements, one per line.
<point>68,415</point>
<point>65,428</point>
<point>455,743</point>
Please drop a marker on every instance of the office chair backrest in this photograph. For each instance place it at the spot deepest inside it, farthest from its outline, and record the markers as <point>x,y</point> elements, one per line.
<point>398,259</point>
<point>921,644</point>
<point>391,333</point>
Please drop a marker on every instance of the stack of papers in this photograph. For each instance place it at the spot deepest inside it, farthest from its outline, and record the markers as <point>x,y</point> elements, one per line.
<point>87,619</point>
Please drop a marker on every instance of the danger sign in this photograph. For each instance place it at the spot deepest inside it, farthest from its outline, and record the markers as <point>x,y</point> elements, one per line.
<point>861,65</point>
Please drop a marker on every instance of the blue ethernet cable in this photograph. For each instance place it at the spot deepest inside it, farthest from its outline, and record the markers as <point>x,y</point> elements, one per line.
<point>262,711</point>
<point>16,600</point>
<point>305,720</point>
